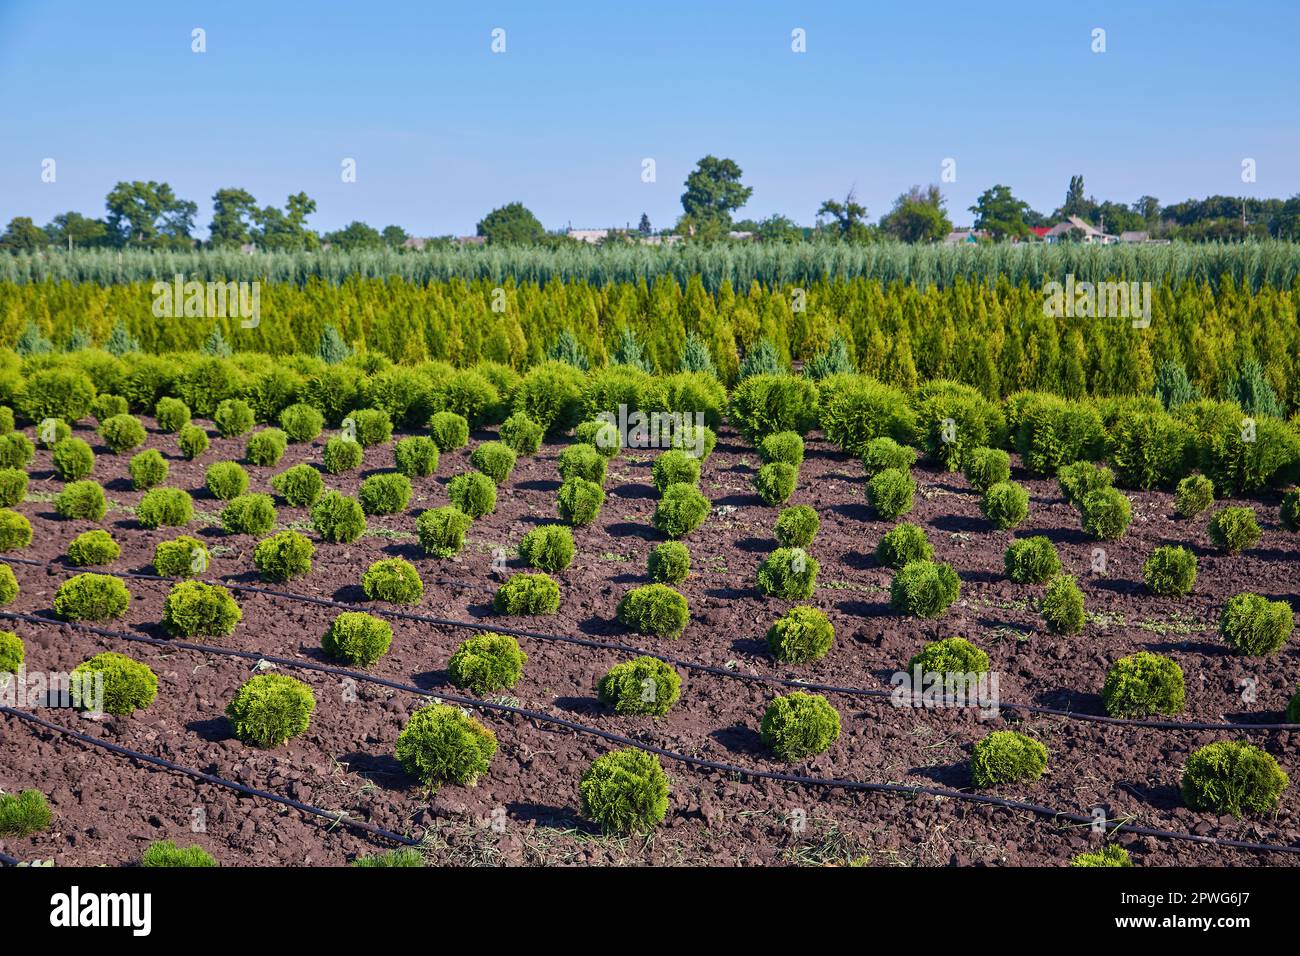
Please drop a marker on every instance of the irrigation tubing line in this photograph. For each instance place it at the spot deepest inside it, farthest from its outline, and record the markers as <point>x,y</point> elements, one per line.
<point>620,739</point>
<point>337,817</point>
<point>875,693</point>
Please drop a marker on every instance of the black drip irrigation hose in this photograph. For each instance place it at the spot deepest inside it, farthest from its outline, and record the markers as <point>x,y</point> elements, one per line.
<point>872,693</point>
<point>336,817</point>
<point>620,739</point>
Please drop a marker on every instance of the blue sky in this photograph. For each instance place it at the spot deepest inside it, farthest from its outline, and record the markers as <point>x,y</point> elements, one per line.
<point>443,130</point>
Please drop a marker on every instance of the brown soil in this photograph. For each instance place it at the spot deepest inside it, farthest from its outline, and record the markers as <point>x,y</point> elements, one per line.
<point>524,810</point>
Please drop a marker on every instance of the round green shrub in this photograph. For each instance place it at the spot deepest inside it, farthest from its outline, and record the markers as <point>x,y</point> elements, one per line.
<point>394,580</point>
<point>233,418</point>
<point>121,433</point>
<point>698,441</point>
<point>890,493</point>
<point>986,467</point>
<point>81,499</point>
<point>1233,777</point>
<point>582,461</point>
<point>24,813</point>
<point>882,454</point>
<point>1005,756</point>
<point>527,594</point>
<point>443,744</point>
<point>300,486</point>
<point>12,650</point>
<point>473,493</point>
<point>195,609</point>
<point>249,514</point>
<point>1142,685</point>
<point>903,544</point>
<point>357,638</point>
<point>641,687</point>
<point>1111,855</point>
<point>654,609</point>
<point>680,511</point>
<point>796,526</point>
<point>674,467</point>
<point>372,426</point>
<point>269,709</point>
<point>301,422</point>
<point>951,655</point>
<point>1194,494</point>
<point>182,557</point>
<point>670,563</point>
<point>784,447</point>
<point>51,431</point>
<point>164,507</point>
<point>775,483</point>
<point>601,435</point>
<point>148,470</point>
<point>487,663</point>
<point>92,548</point>
<point>1006,504</point>
<point>13,486</point>
<point>1082,478</point>
<point>226,480</point>
<point>1290,510</point>
<point>171,414</point>
<point>266,447</point>
<point>547,547</point>
<point>416,456</point>
<point>522,434</point>
<point>128,685</point>
<point>495,459</point>
<point>924,589</point>
<point>338,518</point>
<point>1170,571</point>
<point>193,441</point>
<point>73,459</point>
<point>800,635</point>
<point>284,556</point>
<point>1031,560</point>
<point>1106,514</point>
<point>1062,605</point>
<point>342,454</point>
<point>449,431</point>
<point>625,792</point>
<point>106,406</point>
<point>56,393</point>
<point>16,450</point>
<point>789,574</point>
<point>166,853</point>
<point>1233,529</point>
<point>385,494</point>
<point>799,725</point>
<point>8,585</point>
<point>579,501</point>
<point>15,530</point>
<point>442,531</point>
<point>1254,625</point>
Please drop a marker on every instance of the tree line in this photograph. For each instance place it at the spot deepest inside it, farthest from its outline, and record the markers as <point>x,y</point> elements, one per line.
<point>149,215</point>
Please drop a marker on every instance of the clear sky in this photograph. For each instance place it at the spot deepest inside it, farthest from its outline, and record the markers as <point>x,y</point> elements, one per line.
<point>442,129</point>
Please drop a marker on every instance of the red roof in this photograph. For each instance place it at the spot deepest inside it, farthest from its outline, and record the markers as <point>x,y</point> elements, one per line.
<point>1040,231</point>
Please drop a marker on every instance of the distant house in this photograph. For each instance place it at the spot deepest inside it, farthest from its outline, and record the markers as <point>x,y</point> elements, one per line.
<point>960,236</point>
<point>415,242</point>
<point>740,235</point>
<point>660,240</point>
<point>1087,233</point>
<point>1040,231</point>
<point>593,236</point>
<point>1135,237</point>
<point>470,240</point>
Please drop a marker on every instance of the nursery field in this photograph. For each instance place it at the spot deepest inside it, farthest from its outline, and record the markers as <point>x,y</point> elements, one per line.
<point>895,784</point>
